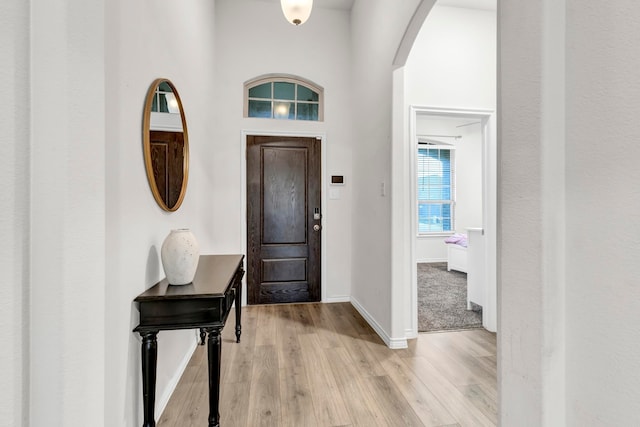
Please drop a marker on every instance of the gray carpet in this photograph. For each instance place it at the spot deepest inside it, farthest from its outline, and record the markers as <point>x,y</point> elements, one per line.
<point>442,300</point>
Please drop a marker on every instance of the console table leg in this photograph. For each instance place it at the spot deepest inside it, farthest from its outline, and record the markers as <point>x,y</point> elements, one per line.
<point>149,366</point>
<point>238,310</point>
<point>214,350</point>
<point>203,335</point>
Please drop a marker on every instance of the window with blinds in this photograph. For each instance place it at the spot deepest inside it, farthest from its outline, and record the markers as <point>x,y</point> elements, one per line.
<point>436,189</point>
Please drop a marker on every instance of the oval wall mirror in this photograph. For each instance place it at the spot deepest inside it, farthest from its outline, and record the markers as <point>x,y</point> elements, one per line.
<point>166,145</point>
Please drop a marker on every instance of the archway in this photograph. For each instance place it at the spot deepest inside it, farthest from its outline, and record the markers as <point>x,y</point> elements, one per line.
<point>404,258</point>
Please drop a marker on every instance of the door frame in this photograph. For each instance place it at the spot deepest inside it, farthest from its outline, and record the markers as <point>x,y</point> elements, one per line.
<point>489,207</point>
<point>243,196</point>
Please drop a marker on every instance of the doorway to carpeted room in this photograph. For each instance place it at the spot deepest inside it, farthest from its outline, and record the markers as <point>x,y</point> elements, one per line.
<point>442,300</point>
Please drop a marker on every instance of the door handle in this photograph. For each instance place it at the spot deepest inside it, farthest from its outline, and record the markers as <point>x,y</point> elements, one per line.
<point>316,227</point>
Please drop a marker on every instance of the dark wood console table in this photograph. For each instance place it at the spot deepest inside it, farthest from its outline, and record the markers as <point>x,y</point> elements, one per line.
<point>203,304</point>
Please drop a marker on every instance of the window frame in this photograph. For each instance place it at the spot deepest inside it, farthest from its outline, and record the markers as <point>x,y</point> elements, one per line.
<point>284,78</point>
<point>451,201</point>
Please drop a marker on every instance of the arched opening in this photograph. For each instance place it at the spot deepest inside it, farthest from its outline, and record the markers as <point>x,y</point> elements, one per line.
<point>446,89</point>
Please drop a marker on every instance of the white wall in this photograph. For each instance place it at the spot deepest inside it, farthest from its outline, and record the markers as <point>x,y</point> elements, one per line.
<point>452,64</point>
<point>67,205</point>
<point>453,60</point>
<point>14,215</point>
<point>373,48</point>
<point>146,40</point>
<point>531,338</point>
<point>318,51</point>
<point>569,334</point>
<point>602,182</point>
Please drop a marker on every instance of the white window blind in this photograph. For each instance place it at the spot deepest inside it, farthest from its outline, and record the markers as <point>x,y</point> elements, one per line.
<point>436,189</point>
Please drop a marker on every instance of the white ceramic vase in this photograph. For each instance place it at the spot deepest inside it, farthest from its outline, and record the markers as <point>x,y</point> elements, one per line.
<point>180,254</point>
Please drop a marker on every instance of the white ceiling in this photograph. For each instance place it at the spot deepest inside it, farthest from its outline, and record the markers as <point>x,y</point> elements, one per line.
<point>348,4</point>
<point>334,4</point>
<point>470,4</point>
<point>327,4</point>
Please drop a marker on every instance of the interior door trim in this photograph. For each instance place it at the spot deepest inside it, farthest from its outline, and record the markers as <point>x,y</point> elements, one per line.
<point>323,198</point>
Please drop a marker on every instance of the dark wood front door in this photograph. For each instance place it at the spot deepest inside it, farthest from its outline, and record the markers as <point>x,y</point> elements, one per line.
<point>167,158</point>
<point>283,219</point>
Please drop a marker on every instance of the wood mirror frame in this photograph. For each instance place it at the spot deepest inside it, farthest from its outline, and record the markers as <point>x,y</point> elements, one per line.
<point>166,148</point>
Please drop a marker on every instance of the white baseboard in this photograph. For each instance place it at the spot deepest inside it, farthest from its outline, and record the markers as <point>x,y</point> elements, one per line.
<point>431,260</point>
<point>393,343</point>
<point>162,402</point>
<point>337,299</point>
<point>410,334</point>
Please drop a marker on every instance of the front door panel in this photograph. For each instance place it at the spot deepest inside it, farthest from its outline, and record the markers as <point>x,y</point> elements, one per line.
<point>283,236</point>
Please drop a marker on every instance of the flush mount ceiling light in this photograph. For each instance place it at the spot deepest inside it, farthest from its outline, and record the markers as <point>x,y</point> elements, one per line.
<point>296,11</point>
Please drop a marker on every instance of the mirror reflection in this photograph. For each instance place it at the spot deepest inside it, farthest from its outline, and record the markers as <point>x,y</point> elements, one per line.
<point>166,147</point>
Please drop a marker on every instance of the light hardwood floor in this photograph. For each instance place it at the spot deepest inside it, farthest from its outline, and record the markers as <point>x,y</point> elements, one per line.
<point>323,365</point>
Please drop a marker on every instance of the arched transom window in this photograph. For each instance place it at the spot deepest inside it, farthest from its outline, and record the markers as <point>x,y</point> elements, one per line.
<point>283,97</point>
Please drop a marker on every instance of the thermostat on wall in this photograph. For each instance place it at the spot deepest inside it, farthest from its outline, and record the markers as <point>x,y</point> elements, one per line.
<point>337,180</point>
